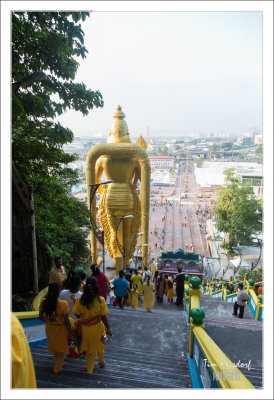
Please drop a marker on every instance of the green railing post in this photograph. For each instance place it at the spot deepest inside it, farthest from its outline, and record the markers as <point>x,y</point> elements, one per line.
<point>197,317</point>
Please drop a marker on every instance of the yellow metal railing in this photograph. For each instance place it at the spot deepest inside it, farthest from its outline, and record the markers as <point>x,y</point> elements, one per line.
<point>226,374</point>
<point>26,314</point>
<point>258,306</point>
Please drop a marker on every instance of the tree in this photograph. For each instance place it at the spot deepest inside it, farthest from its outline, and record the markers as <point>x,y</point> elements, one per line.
<point>238,213</point>
<point>45,47</point>
<point>200,161</point>
<point>257,274</point>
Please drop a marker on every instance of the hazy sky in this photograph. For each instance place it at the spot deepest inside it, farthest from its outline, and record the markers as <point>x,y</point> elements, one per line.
<point>173,71</point>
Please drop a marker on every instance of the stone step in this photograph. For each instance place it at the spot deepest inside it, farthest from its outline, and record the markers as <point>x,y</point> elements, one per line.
<point>254,375</point>
<point>220,309</point>
<point>123,353</point>
<point>160,368</point>
<point>237,322</point>
<point>114,374</point>
<point>157,311</point>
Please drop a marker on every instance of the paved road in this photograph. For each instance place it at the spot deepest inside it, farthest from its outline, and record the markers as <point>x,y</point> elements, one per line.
<point>173,223</point>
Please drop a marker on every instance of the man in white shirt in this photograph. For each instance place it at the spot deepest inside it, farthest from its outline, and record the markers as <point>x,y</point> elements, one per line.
<point>71,295</point>
<point>146,273</point>
<point>242,297</point>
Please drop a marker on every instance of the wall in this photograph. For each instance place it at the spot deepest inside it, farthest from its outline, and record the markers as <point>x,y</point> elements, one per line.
<point>22,262</point>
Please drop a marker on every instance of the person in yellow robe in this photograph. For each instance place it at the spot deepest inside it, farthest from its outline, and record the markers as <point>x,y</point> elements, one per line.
<point>170,292</point>
<point>135,297</point>
<point>58,273</point>
<point>148,288</point>
<point>54,312</point>
<point>23,374</point>
<point>92,309</point>
<point>136,279</point>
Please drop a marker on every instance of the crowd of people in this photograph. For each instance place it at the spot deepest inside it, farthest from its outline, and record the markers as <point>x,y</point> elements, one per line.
<point>75,312</point>
<point>130,287</point>
<point>204,214</point>
<point>75,309</point>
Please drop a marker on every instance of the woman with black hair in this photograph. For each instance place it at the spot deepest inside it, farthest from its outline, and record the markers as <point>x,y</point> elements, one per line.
<point>55,313</point>
<point>102,281</point>
<point>160,288</point>
<point>71,294</point>
<point>91,308</point>
<point>66,282</point>
<point>83,276</point>
<point>148,300</point>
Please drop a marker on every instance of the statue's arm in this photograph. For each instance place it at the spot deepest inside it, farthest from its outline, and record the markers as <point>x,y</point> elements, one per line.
<point>98,171</point>
<point>137,173</point>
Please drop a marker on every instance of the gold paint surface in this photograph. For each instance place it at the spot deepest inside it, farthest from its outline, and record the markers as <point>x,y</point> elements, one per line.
<point>125,163</point>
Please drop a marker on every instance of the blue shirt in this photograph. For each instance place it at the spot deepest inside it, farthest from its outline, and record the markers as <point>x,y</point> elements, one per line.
<point>121,286</point>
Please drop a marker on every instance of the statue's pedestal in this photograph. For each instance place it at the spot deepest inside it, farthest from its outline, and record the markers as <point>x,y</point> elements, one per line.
<point>118,264</point>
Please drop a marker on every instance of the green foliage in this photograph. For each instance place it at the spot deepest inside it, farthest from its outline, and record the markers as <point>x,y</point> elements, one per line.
<point>257,274</point>
<point>227,146</point>
<point>259,150</point>
<point>200,161</point>
<point>229,249</point>
<point>238,213</point>
<point>45,48</point>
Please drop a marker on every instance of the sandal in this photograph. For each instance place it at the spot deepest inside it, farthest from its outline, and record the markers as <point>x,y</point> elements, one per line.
<point>101,365</point>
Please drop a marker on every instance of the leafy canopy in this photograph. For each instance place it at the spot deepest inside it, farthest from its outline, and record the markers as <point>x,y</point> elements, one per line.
<point>45,49</point>
<point>256,274</point>
<point>238,213</point>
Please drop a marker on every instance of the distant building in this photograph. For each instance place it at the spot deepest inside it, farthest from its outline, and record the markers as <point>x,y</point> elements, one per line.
<point>258,139</point>
<point>211,175</point>
<point>161,161</point>
<point>255,180</point>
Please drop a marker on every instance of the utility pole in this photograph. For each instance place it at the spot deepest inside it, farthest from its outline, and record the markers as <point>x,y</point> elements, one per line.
<point>33,235</point>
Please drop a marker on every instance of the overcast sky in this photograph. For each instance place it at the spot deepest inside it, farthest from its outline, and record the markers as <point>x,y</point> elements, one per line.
<point>173,71</point>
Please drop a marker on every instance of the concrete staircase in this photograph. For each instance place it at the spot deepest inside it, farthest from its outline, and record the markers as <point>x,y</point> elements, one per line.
<point>147,350</point>
<point>239,339</point>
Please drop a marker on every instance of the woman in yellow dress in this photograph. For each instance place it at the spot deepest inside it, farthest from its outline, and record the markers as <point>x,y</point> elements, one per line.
<point>135,297</point>
<point>136,279</point>
<point>148,288</point>
<point>170,292</point>
<point>55,313</point>
<point>92,309</point>
<point>23,373</point>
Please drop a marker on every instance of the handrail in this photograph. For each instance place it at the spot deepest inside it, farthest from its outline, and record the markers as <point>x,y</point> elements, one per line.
<point>223,371</point>
<point>217,291</point>
<point>220,364</point>
<point>26,314</point>
<point>254,296</point>
<point>256,309</point>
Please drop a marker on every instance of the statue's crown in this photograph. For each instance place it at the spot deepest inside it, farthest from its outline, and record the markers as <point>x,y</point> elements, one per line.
<point>119,129</point>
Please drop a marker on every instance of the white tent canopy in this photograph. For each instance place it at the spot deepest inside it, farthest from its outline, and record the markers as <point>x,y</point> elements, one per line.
<point>238,261</point>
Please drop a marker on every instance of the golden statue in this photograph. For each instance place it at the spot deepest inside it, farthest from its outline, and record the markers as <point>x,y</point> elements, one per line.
<point>124,163</point>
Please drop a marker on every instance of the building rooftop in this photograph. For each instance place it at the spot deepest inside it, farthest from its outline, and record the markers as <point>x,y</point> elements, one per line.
<point>212,173</point>
<point>160,157</point>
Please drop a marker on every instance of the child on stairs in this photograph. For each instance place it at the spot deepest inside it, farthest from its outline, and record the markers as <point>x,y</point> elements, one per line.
<point>170,292</point>
<point>135,297</point>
